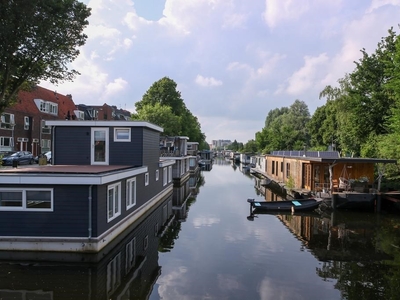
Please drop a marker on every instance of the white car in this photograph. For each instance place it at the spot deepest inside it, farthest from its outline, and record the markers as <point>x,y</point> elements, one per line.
<point>48,157</point>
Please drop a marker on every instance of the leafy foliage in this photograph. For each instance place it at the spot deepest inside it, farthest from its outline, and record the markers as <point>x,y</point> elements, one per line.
<point>162,105</point>
<point>38,39</point>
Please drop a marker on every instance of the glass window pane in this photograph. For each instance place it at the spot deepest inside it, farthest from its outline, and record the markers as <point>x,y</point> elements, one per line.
<point>38,199</point>
<point>11,199</point>
<point>110,203</point>
<point>116,199</point>
<point>122,134</point>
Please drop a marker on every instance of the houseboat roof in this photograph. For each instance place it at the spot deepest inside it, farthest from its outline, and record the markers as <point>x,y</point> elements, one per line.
<point>328,157</point>
<point>67,174</point>
<point>70,123</point>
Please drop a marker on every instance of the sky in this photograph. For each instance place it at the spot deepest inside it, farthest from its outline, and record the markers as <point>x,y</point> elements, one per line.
<point>233,60</point>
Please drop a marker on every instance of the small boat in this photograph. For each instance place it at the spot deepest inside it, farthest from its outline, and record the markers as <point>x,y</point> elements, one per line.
<point>286,205</point>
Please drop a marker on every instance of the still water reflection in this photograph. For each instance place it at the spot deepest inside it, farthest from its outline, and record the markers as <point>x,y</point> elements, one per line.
<point>201,244</point>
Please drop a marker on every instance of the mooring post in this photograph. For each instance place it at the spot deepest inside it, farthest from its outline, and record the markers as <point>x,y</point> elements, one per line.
<point>378,202</point>
<point>334,199</point>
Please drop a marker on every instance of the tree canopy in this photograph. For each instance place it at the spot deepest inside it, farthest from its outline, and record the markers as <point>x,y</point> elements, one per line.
<point>361,115</point>
<point>162,105</point>
<point>38,39</point>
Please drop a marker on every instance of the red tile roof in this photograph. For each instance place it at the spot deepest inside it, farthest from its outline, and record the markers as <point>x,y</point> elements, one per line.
<point>26,104</point>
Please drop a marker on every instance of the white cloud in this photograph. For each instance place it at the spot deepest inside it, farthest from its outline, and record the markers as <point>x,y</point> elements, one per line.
<point>205,221</point>
<point>307,76</point>
<point>207,81</point>
<point>114,88</point>
<point>376,4</point>
<point>281,10</point>
<point>259,54</point>
<point>134,22</point>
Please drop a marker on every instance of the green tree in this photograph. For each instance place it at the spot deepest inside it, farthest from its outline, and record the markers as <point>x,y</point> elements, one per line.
<point>362,101</point>
<point>178,120</point>
<point>160,115</point>
<point>164,92</point>
<point>250,147</point>
<point>38,39</point>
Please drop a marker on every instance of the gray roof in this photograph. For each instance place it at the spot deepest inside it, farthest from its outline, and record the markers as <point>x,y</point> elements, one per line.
<point>328,156</point>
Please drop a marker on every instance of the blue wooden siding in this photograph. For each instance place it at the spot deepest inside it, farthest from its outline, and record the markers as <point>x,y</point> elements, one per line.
<point>69,218</point>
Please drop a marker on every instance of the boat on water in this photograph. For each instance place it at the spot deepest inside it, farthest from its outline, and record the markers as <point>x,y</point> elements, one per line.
<point>286,205</point>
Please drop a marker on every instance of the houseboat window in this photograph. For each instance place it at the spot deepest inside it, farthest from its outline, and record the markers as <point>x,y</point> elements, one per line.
<point>26,199</point>
<point>114,274</point>
<point>122,134</point>
<point>156,229</point>
<point>287,170</point>
<point>146,179</point>
<point>38,199</point>
<point>114,201</point>
<point>157,175</point>
<point>146,242</point>
<point>130,193</point>
<point>99,151</point>
<point>169,173</point>
<point>165,176</point>
<point>273,167</point>
<point>130,255</point>
<point>10,199</point>
<point>281,166</point>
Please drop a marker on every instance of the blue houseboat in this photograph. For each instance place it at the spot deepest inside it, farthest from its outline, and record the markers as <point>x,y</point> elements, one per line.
<point>105,175</point>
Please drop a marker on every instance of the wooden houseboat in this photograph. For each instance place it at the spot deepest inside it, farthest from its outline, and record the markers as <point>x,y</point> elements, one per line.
<point>105,175</point>
<point>324,172</point>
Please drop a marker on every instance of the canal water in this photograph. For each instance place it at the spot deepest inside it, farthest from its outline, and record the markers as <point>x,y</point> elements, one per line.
<point>202,244</point>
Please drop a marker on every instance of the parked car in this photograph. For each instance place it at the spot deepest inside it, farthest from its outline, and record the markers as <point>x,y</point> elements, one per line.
<point>48,157</point>
<point>21,157</point>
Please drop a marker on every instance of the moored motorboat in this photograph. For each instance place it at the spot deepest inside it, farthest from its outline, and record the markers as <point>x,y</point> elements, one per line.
<point>286,205</point>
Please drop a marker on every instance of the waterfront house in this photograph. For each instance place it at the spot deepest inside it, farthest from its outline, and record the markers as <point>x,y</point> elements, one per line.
<point>106,174</point>
<point>320,170</point>
<point>176,148</point>
<point>22,125</point>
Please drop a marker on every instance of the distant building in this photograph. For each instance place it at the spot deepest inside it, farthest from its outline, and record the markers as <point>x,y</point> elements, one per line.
<point>22,125</point>
<point>219,144</point>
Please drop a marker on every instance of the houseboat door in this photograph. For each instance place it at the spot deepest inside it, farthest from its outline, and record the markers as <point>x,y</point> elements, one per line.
<point>99,146</point>
<point>307,176</point>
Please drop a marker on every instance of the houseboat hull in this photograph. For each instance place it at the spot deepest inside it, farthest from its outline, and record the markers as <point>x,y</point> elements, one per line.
<point>353,200</point>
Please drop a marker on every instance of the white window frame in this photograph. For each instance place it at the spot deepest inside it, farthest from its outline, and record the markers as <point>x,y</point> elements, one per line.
<point>116,203</point>
<point>114,274</point>
<point>7,121</point>
<point>169,174</point>
<point>130,255</point>
<point>24,199</point>
<point>165,176</point>
<point>45,144</point>
<point>130,197</point>
<point>26,123</point>
<point>107,146</point>
<point>47,106</point>
<point>118,138</point>
<point>10,141</point>
<point>146,179</point>
<point>45,129</point>
<point>157,175</point>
